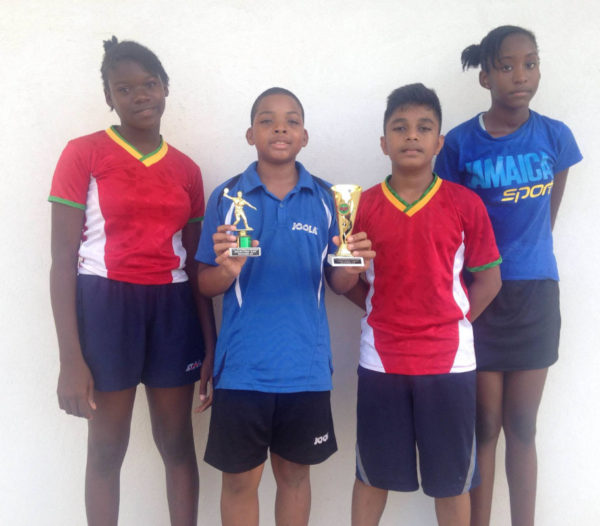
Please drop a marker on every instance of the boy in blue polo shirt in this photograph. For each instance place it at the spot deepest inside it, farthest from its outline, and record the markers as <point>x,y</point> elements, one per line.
<point>272,371</point>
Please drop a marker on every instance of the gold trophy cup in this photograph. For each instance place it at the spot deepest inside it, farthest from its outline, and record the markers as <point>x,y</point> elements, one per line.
<point>346,197</point>
<point>244,240</point>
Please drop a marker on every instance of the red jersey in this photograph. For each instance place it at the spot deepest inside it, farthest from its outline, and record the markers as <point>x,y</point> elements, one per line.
<point>417,306</point>
<point>135,206</point>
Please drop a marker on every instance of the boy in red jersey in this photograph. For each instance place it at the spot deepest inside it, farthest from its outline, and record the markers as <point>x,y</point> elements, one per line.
<point>417,363</point>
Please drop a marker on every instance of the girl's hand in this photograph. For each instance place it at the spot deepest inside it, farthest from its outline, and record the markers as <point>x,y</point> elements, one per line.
<point>205,388</point>
<point>76,389</point>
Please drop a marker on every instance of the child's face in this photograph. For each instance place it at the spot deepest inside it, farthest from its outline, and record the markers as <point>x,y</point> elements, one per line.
<point>278,129</point>
<point>137,96</point>
<point>412,137</point>
<point>514,78</point>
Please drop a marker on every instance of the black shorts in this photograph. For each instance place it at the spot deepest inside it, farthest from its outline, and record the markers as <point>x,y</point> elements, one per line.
<point>520,329</point>
<point>245,425</point>
<point>132,333</point>
<point>396,414</point>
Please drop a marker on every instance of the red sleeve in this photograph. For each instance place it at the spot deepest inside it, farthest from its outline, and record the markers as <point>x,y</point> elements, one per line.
<point>358,221</point>
<point>481,251</point>
<point>196,195</point>
<point>362,214</point>
<point>71,177</point>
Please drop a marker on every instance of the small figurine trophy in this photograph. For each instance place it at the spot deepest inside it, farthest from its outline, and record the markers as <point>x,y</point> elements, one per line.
<point>244,241</point>
<point>346,197</point>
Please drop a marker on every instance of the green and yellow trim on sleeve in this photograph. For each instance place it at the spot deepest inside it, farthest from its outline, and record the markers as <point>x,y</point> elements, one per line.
<point>485,267</point>
<point>149,159</point>
<point>62,201</point>
<point>196,220</point>
<point>412,208</point>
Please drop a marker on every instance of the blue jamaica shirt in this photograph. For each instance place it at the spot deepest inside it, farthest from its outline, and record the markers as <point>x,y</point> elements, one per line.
<point>514,176</point>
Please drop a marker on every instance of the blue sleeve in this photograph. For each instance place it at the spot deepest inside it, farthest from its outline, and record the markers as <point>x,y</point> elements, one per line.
<point>568,152</point>
<point>327,200</point>
<point>205,252</point>
<point>333,230</point>
<point>446,164</point>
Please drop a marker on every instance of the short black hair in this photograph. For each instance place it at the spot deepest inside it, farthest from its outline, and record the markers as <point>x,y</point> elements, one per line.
<point>115,51</point>
<point>485,54</point>
<point>412,95</point>
<point>273,91</point>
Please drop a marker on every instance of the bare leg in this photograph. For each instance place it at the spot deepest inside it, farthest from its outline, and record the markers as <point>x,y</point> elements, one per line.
<point>292,503</point>
<point>453,511</point>
<point>108,437</point>
<point>239,497</point>
<point>489,424</point>
<point>170,412</point>
<point>368,504</point>
<point>522,396</point>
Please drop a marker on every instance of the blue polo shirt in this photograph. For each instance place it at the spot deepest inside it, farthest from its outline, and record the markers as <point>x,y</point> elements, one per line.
<point>274,334</point>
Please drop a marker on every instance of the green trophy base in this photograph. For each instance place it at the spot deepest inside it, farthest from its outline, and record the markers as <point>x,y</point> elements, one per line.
<point>244,248</point>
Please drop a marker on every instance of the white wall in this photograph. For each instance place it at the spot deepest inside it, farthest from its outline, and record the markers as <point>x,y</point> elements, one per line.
<point>342,58</point>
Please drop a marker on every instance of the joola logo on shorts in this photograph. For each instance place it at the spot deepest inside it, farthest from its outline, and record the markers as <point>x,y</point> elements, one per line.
<point>193,365</point>
<point>307,228</point>
<point>321,440</point>
<point>526,192</point>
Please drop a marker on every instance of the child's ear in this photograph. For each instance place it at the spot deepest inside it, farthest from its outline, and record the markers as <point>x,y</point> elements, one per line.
<point>108,100</point>
<point>483,80</point>
<point>305,141</point>
<point>383,145</point>
<point>250,136</point>
<point>441,139</point>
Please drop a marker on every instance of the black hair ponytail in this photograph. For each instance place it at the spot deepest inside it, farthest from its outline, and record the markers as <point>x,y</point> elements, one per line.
<point>486,53</point>
<point>471,56</point>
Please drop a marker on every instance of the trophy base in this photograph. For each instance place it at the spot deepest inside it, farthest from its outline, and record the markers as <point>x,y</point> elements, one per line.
<point>345,261</point>
<point>245,252</point>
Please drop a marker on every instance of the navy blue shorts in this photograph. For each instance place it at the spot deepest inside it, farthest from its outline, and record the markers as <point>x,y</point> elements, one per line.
<point>133,333</point>
<point>245,425</point>
<point>396,414</point>
<point>520,329</point>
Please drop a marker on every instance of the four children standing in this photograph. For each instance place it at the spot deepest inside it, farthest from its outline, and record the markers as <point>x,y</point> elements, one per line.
<point>125,221</point>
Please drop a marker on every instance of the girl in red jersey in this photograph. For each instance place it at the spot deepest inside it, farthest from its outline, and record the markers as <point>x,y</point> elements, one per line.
<point>517,161</point>
<point>126,215</point>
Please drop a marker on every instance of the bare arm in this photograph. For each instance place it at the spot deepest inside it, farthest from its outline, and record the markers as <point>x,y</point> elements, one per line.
<point>343,279</point>
<point>558,189</point>
<point>358,294</point>
<point>75,383</point>
<point>486,284</point>
<point>190,237</point>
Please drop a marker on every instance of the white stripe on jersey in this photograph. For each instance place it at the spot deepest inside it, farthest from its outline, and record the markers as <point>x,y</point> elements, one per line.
<point>92,250</point>
<point>464,360</point>
<point>238,289</point>
<point>369,357</point>
<point>179,275</point>
<point>324,253</point>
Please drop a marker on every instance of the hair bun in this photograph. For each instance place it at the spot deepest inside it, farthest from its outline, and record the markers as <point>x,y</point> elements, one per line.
<point>108,44</point>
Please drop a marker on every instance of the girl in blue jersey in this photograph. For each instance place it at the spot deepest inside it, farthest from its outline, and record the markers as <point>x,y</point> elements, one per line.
<point>517,161</point>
